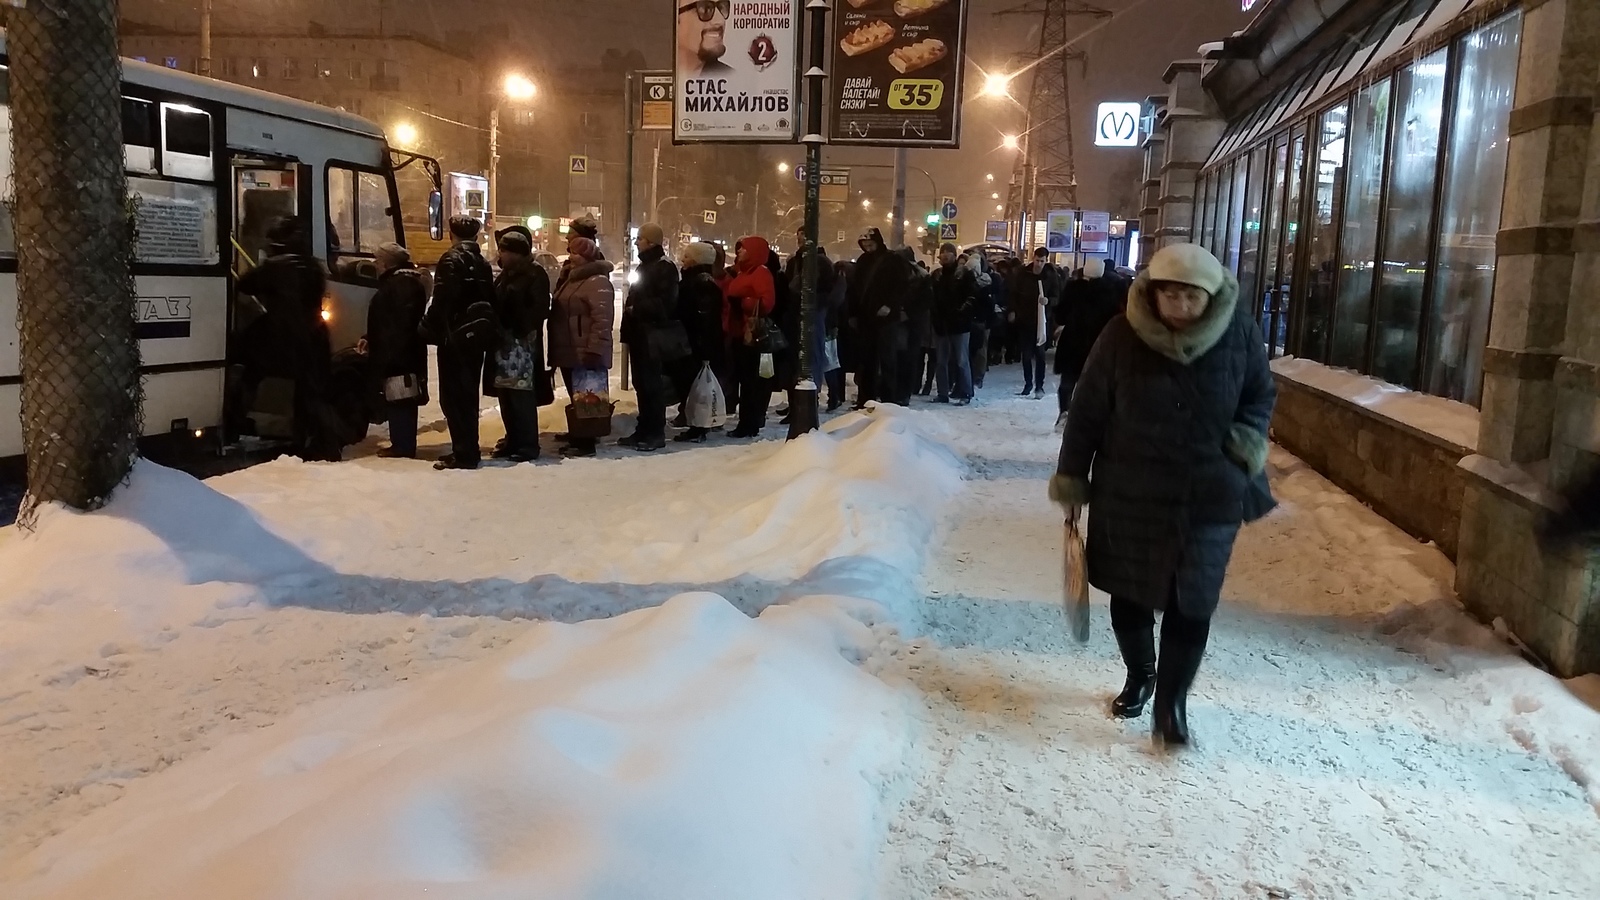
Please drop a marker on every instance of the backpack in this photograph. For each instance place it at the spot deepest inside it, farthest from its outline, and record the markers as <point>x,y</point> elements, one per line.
<point>478,329</point>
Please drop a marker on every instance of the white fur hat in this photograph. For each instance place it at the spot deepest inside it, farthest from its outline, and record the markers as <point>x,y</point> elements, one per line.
<point>1188,264</point>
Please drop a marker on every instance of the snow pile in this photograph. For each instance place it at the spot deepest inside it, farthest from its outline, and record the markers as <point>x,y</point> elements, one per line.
<point>686,751</point>
<point>1442,418</point>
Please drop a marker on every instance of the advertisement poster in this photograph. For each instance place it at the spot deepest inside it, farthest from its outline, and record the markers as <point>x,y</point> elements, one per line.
<point>1059,237</point>
<point>897,72</point>
<point>996,232</point>
<point>737,75</point>
<point>1096,235</point>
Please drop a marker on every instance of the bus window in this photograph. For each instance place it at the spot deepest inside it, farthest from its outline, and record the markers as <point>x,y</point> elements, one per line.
<point>8,190</point>
<point>360,217</point>
<point>186,142</point>
<point>139,135</point>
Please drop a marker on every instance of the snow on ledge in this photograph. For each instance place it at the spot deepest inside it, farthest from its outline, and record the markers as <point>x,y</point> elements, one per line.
<point>1447,420</point>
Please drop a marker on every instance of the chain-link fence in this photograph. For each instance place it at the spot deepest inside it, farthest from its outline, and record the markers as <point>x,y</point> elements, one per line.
<point>75,296</point>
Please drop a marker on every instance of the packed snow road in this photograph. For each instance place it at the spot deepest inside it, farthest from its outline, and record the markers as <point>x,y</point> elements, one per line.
<point>827,669</point>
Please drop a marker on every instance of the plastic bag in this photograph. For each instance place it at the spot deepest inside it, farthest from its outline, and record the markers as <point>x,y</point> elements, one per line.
<point>830,355</point>
<point>591,394</point>
<point>769,368</point>
<point>706,407</point>
<point>1075,593</point>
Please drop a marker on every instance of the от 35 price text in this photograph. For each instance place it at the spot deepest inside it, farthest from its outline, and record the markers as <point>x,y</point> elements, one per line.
<point>916,93</point>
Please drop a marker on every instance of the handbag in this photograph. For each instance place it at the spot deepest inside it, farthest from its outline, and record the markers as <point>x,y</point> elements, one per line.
<point>515,366</point>
<point>669,343</point>
<point>767,337</point>
<point>830,355</point>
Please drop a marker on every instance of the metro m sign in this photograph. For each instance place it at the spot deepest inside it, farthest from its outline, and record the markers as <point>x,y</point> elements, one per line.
<point>1117,125</point>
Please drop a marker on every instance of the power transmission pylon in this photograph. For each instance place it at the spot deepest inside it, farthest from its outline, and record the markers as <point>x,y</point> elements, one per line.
<point>1046,172</point>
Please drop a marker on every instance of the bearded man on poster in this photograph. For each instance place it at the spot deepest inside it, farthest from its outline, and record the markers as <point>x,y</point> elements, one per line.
<point>701,27</point>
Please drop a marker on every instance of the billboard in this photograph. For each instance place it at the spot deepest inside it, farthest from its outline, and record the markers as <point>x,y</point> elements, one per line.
<point>655,101</point>
<point>996,231</point>
<point>1096,234</point>
<point>737,71</point>
<point>1059,237</point>
<point>1117,124</point>
<point>896,78</point>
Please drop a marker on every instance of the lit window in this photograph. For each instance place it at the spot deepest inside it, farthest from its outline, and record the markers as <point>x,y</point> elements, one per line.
<point>291,68</point>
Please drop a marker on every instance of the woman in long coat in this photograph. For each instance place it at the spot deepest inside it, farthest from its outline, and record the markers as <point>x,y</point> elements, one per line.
<point>581,318</point>
<point>1166,443</point>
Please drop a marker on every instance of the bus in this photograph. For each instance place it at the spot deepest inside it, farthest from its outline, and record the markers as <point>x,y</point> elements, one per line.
<point>210,165</point>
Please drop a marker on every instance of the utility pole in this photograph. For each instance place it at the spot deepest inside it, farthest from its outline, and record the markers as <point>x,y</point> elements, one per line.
<point>1046,174</point>
<point>494,167</point>
<point>627,216</point>
<point>897,227</point>
<point>803,415</point>
<point>78,350</point>
<point>203,69</point>
<point>655,181</point>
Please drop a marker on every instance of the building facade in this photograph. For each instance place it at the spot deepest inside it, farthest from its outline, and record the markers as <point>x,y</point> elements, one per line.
<point>1408,193</point>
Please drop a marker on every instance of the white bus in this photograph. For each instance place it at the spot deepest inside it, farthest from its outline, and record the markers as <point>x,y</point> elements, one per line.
<point>210,166</point>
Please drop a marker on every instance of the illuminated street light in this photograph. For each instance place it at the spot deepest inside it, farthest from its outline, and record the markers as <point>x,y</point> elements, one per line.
<point>999,208</point>
<point>783,168</point>
<point>997,84</point>
<point>520,88</point>
<point>990,177</point>
<point>994,196</point>
<point>1010,142</point>
<point>405,134</point>
<point>866,204</point>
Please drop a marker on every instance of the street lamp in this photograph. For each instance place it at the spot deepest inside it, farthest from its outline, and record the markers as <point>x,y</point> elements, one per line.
<point>994,196</point>
<point>866,204</point>
<point>997,84</point>
<point>518,89</point>
<point>783,168</point>
<point>405,135</point>
<point>1010,142</point>
<point>989,177</point>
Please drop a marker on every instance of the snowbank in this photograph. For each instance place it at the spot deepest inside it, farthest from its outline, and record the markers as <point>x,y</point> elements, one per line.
<point>686,751</point>
<point>1444,419</point>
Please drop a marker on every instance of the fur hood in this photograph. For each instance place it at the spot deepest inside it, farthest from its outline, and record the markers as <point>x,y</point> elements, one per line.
<point>1181,346</point>
<point>590,270</point>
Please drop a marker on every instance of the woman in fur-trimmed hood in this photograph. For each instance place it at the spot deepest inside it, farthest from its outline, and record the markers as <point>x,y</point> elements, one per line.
<point>1166,443</point>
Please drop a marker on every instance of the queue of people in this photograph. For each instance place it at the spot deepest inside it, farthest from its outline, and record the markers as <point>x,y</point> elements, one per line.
<point>899,327</point>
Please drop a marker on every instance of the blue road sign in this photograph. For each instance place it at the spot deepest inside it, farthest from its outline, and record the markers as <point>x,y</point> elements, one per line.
<point>948,211</point>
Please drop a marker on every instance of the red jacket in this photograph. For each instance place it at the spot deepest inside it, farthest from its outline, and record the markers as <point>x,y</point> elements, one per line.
<point>751,293</point>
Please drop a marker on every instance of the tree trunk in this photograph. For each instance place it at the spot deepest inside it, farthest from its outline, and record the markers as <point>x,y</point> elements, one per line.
<point>75,300</point>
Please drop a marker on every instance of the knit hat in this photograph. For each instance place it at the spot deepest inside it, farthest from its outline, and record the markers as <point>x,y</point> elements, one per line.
<point>1189,264</point>
<point>586,226</point>
<point>950,247</point>
<point>700,254</point>
<point>517,239</point>
<point>1094,268</point>
<point>653,234</point>
<point>583,248</point>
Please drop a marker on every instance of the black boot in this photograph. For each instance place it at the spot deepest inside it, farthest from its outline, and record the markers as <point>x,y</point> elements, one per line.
<point>1183,645</point>
<point>1138,648</point>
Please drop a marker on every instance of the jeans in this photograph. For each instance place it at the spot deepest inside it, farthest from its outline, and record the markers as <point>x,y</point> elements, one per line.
<point>953,364</point>
<point>403,428</point>
<point>1032,365</point>
<point>460,383</point>
<point>650,386</point>
<point>519,410</point>
<point>978,351</point>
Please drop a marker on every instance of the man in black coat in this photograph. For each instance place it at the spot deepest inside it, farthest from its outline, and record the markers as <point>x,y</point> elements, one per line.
<point>1033,282</point>
<point>463,292</point>
<point>700,309</point>
<point>394,348</point>
<point>955,308</point>
<point>516,374</point>
<point>876,305</point>
<point>290,284</point>
<point>649,328</point>
<point>1088,304</point>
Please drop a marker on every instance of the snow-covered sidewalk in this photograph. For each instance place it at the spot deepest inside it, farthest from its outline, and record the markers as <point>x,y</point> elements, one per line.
<point>713,673</point>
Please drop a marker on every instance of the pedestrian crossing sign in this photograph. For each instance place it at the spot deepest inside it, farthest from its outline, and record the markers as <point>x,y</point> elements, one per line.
<point>579,165</point>
<point>949,231</point>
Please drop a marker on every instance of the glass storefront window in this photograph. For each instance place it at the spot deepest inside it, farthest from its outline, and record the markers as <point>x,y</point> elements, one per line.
<point>1250,245</point>
<point>1208,212</point>
<point>1236,214</point>
<point>1291,244</point>
<point>1326,199</point>
<point>1358,250</point>
<point>1408,219</point>
<point>1273,236</point>
<point>1219,228</point>
<point>1474,180</point>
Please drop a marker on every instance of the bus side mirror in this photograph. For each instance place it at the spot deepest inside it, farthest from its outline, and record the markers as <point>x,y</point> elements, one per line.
<point>436,216</point>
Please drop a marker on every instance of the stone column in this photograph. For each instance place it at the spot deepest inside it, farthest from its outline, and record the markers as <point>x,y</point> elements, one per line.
<point>1542,366</point>
<point>1192,127</point>
<point>1155,156</point>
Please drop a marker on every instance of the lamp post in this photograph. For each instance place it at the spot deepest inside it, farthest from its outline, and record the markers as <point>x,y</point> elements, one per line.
<point>203,67</point>
<point>803,416</point>
<point>517,89</point>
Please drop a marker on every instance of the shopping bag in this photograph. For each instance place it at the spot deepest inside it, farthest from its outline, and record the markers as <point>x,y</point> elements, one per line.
<point>830,355</point>
<point>591,394</point>
<point>403,387</point>
<point>706,407</point>
<point>1075,593</point>
<point>769,367</point>
<point>515,365</point>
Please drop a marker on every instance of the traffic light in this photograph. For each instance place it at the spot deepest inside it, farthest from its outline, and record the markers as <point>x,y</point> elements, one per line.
<point>933,220</point>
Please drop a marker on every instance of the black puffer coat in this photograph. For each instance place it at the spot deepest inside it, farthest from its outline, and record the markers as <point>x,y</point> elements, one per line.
<point>700,305</point>
<point>394,347</point>
<point>1174,428</point>
<point>1087,307</point>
